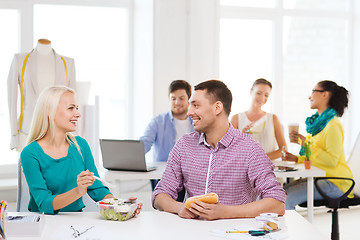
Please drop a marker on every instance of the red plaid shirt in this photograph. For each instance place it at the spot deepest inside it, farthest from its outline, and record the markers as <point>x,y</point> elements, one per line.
<point>238,170</point>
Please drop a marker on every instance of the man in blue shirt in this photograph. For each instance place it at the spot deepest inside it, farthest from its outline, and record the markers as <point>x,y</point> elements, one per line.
<point>166,128</point>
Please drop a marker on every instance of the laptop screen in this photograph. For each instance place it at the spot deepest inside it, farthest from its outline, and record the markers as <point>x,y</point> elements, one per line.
<point>123,154</point>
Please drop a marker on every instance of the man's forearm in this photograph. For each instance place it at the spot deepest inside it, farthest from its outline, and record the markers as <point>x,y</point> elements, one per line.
<point>164,202</point>
<point>254,209</point>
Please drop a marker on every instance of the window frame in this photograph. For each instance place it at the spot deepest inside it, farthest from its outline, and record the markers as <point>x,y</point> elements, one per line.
<point>277,15</point>
<point>26,43</point>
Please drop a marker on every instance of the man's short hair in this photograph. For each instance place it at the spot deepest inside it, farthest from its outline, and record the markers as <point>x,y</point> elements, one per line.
<point>180,84</point>
<point>218,92</point>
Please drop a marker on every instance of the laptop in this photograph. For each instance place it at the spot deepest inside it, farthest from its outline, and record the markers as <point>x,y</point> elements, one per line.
<point>126,155</point>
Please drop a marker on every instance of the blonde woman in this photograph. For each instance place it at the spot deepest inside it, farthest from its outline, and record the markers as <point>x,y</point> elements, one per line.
<point>59,167</point>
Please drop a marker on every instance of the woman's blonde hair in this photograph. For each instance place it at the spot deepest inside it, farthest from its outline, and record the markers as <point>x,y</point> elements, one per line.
<point>44,114</point>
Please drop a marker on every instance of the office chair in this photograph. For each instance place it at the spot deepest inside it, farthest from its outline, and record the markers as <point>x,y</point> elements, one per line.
<point>23,196</point>
<point>343,201</point>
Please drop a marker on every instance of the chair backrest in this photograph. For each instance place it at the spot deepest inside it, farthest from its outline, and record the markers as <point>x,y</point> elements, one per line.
<point>90,205</point>
<point>23,195</point>
<point>354,164</point>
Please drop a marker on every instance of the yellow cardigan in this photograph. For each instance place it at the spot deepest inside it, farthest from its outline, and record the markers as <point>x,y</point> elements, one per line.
<point>327,153</point>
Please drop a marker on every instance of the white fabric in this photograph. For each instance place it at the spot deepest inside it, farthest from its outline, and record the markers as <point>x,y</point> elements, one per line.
<point>267,138</point>
<point>182,127</point>
<point>45,70</point>
<point>31,91</point>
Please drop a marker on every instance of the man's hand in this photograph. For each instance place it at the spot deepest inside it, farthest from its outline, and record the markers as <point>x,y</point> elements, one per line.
<point>185,213</point>
<point>208,211</point>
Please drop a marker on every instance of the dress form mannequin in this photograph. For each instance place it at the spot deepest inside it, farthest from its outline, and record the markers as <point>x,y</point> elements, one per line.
<point>45,72</point>
<point>29,74</point>
<point>45,64</point>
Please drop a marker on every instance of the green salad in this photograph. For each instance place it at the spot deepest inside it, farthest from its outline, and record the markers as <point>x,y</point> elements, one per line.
<point>117,209</point>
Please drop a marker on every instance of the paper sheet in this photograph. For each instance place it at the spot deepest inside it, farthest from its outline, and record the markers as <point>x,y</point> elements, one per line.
<point>65,232</point>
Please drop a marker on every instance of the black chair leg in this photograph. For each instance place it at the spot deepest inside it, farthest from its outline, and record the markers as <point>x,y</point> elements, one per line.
<point>335,225</point>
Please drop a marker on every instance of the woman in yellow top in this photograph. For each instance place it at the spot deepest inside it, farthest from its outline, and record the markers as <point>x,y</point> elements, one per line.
<point>327,149</point>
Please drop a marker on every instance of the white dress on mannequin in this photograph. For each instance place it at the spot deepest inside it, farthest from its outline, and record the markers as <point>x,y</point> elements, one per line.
<point>266,138</point>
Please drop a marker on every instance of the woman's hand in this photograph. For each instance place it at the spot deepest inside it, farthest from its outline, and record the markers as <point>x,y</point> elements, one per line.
<point>138,209</point>
<point>246,129</point>
<point>294,137</point>
<point>84,180</point>
<point>286,156</point>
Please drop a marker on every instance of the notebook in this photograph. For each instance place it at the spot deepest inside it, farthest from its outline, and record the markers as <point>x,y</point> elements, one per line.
<point>284,169</point>
<point>126,155</point>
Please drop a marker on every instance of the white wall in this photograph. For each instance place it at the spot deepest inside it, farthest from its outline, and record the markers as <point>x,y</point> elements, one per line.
<point>203,28</point>
<point>170,48</point>
<point>185,43</point>
<point>354,109</point>
<point>143,68</point>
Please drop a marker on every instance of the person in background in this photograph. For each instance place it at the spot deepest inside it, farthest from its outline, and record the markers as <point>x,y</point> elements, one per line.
<point>327,148</point>
<point>59,168</point>
<point>264,127</point>
<point>218,158</point>
<point>166,128</point>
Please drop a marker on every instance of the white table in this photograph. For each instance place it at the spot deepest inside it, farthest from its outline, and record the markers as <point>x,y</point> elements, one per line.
<point>161,225</point>
<point>309,174</point>
<point>117,176</point>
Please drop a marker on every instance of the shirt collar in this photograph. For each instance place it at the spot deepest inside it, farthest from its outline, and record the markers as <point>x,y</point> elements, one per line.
<point>225,140</point>
<point>171,116</point>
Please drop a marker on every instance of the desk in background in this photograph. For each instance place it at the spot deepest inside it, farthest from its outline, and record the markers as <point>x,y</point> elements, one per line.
<point>133,175</point>
<point>118,176</point>
<point>161,225</point>
<point>303,173</point>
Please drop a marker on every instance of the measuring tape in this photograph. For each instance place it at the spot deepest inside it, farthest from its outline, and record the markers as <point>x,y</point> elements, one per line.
<point>22,86</point>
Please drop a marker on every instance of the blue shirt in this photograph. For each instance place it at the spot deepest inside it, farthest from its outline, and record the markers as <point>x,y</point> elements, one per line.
<point>162,134</point>
<point>48,177</point>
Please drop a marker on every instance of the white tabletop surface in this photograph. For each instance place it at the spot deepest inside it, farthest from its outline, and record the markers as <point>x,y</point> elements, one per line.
<point>301,172</point>
<point>161,225</point>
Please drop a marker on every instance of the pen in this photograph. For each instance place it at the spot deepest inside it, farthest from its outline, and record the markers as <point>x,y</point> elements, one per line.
<point>3,209</point>
<point>252,232</point>
<point>2,233</point>
<point>3,205</point>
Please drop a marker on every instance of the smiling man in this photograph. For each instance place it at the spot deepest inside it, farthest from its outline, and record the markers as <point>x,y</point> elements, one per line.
<point>166,128</point>
<point>218,158</point>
